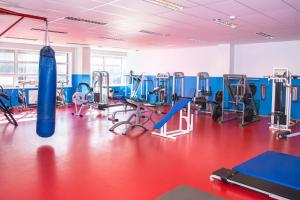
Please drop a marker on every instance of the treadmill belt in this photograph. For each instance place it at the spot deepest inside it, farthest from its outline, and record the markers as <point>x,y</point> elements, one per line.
<point>274,167</point>
<point>274,190</point>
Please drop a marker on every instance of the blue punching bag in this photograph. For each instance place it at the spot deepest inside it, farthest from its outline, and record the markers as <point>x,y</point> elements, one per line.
<point>45,126</point>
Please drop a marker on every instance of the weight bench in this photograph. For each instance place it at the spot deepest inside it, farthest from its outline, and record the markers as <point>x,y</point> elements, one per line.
<point>274,174</point>
<point>178,107</point>
<point>137,119</point>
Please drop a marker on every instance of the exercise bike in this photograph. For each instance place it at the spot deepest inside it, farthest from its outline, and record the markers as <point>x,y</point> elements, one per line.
<point>82,97</point>
<point>7,110</point>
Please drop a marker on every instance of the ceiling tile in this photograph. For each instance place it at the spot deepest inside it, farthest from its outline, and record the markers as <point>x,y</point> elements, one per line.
<point>204,13</point>
<point>287,16</point>
<point>231,7</point>
<point>293,3</point>
<point>260,20</point>
<point>142,6</point>
<point>180,17</point>
<point>264,5</point>
<point>206,2</point>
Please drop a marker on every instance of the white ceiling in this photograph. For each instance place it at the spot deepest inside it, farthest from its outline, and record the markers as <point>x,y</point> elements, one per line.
<point>192,26</point>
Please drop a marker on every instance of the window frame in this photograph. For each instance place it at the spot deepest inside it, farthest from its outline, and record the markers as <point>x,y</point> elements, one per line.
<point>16,74</point>
<point>103,66</point>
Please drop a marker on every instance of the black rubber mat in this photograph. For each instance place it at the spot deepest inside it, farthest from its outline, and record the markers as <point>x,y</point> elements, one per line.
<point>185,192</point>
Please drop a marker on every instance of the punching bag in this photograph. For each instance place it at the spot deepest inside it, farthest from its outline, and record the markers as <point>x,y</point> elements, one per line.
<point>45,126</point>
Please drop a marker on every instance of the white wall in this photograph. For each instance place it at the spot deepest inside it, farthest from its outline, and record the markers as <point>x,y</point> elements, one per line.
<point>213,59</point>
<point>257,60</point>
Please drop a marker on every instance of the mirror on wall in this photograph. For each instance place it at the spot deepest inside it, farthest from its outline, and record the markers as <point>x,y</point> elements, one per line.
<point>295,93</point>
<point>263,91</point>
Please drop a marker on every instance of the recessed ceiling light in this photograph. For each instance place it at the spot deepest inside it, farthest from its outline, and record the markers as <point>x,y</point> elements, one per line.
<point>225,23</point>
<point>166,4</point>
<point>232,17</point>
<point>265,35</point>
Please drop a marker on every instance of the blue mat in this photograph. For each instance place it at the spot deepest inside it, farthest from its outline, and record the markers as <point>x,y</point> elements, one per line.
<point>274,167</point>
<point>179,105</point>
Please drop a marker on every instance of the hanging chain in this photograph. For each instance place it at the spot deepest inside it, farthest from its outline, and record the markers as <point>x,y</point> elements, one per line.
<point>47,42</point>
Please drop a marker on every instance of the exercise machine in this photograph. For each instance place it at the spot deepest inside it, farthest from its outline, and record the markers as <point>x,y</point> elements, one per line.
<point>83,97</point>
<point>101,90</point>
<point>146,84</point>
<point>271,173</point>
<point>178,86</point>
<point>162,89</point>
<point>139,118</point>
<point>203,93</point>
<point>7,110</point>
<point>240,100</point>
<point>281,102</point>
<point>188,119</point>
<point>133,81</point>
<point>60,94</point>
<point>100,85</point>
<point>22,99</point>
<point>136,85</point>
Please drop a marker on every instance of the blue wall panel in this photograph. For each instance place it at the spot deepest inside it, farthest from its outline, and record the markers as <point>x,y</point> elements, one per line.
<point>216,84</point>
<point>296,105</point>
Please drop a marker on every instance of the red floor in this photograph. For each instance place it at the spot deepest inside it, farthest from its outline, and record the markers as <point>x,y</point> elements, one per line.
<point>83,160</point>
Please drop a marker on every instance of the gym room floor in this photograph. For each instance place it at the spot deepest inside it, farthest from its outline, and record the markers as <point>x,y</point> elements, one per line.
<point>83,160</point>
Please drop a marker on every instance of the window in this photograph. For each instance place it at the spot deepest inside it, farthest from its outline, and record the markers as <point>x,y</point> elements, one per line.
<point>114,65</point>
<point>63,68</point>
<point>28,67</point>
<point>7,70</point>
<point>23,65</point>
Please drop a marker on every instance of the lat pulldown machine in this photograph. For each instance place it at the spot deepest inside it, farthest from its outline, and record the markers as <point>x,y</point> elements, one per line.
<point>203,92</point>
<point>162,87</point>
<point>281,102</point>
<point>240,100</point>
<point>178,86</point>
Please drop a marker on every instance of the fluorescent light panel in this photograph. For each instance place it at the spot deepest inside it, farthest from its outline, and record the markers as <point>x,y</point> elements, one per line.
<point>166,4</point>
<point>85,20</point>
<point>225,23</point>
<point>21,38</point>
<point>111,38</point>
<point>153,33</point>
<point>195,40</point>
<point>74,43</point>
<point>50,31</point>
<point>265,35</point>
